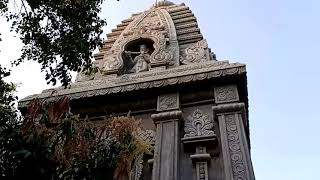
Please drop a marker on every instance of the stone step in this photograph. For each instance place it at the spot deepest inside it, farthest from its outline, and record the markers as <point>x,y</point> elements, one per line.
<point>180,12</point>
<point>176,9</point>
<point>187,31</point>
<point>113,34</point>
<point>190,36</point>
<point>191,41</point>
<point>118,29</point>
<point>123,24</point>
<point>187,25</point>
<point>185,20</point>
<point>181,16</point>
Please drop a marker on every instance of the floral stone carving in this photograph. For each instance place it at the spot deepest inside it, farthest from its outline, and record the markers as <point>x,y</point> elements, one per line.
<point>199,124</point>
<point>195,53</point>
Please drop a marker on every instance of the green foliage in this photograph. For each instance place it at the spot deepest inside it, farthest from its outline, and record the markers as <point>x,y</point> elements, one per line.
<point>8,113</point>
<point>58,34</point>
<point>51,143</point>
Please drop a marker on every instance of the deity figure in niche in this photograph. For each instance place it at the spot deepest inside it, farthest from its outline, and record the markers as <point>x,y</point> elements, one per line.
<point>141,62</point>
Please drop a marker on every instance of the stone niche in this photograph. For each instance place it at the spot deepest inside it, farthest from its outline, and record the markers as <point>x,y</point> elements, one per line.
<point>132,52</point>
<point>194,108</point>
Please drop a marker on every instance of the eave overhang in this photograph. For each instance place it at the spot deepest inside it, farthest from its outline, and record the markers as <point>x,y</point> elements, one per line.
<point>145,80</point>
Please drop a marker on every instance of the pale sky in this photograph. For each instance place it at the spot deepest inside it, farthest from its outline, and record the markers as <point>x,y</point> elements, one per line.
<point>279,40</point>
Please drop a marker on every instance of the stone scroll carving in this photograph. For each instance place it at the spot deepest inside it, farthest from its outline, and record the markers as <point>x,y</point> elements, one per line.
<point>226,94</point>
<point>234,145</point>
<point>199,124</point>
<point>197,52</point>
<point>152,24</point>
<point>236,154</point>
<point>168,102</point>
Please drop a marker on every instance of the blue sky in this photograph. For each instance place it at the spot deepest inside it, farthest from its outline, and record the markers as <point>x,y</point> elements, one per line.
<point>279,41</point>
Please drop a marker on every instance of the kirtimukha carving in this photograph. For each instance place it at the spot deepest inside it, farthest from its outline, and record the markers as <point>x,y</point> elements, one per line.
<point>199,124</point>
<point>142,61</point>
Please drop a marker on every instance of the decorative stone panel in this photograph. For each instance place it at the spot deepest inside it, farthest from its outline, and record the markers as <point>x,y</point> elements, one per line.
<point>199,124</point>
<point>199,132</point>
<point>168,102</point>
<point>235,150</point>
<point>225,94</point>
<point>195,53</point>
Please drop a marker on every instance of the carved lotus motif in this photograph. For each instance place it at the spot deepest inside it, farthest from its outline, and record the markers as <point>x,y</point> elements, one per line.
<point>199,124</point>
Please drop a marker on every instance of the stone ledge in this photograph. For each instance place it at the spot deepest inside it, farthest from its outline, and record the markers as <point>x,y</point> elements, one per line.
<point>199,139</point>
<point>166,116</point>
<point>231,107</point>
<point>151,79</point>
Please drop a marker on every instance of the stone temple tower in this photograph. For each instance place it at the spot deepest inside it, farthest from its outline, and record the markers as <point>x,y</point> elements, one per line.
<point>157,65</point>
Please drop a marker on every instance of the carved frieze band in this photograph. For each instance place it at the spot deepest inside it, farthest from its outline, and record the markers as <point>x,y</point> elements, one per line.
<point>235,151</point>
<point>146,80</point>
<point>168,102</point>
<point>226,94</point>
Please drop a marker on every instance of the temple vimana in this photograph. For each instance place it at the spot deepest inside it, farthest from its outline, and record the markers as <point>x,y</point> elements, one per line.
<point>194,108</point>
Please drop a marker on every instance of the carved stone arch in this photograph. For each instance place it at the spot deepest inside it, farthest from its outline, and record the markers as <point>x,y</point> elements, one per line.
<point>156,45</point>
<point>134,46</point>
<point>154,24</point>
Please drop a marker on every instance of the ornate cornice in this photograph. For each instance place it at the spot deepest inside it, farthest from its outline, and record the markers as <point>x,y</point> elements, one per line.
<point>144,80</point>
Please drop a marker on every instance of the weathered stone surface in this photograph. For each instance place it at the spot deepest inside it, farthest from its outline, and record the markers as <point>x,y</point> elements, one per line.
<point>157,66</point>
<point>168,102</point>
<point>166,156</point>
<point>143,80</point>
<point>225,94</point>
<point>236,157</point>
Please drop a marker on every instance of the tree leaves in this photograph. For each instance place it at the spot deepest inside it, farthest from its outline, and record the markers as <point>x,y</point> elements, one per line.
<point>58,34</point>
<point>51,143</point>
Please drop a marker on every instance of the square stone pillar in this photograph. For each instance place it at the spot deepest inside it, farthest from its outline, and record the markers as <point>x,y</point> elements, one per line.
<point>166,154</point>
<point>235,149</point>
<point>199,133</point>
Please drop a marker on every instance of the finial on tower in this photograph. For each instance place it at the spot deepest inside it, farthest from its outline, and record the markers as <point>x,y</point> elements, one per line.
<point>162,3</point>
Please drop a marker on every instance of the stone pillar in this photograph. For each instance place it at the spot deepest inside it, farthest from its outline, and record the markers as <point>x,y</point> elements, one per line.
<point>199,133</point>
<point>166,154</point>
<point>201,159</point>
<point>235,149</point>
